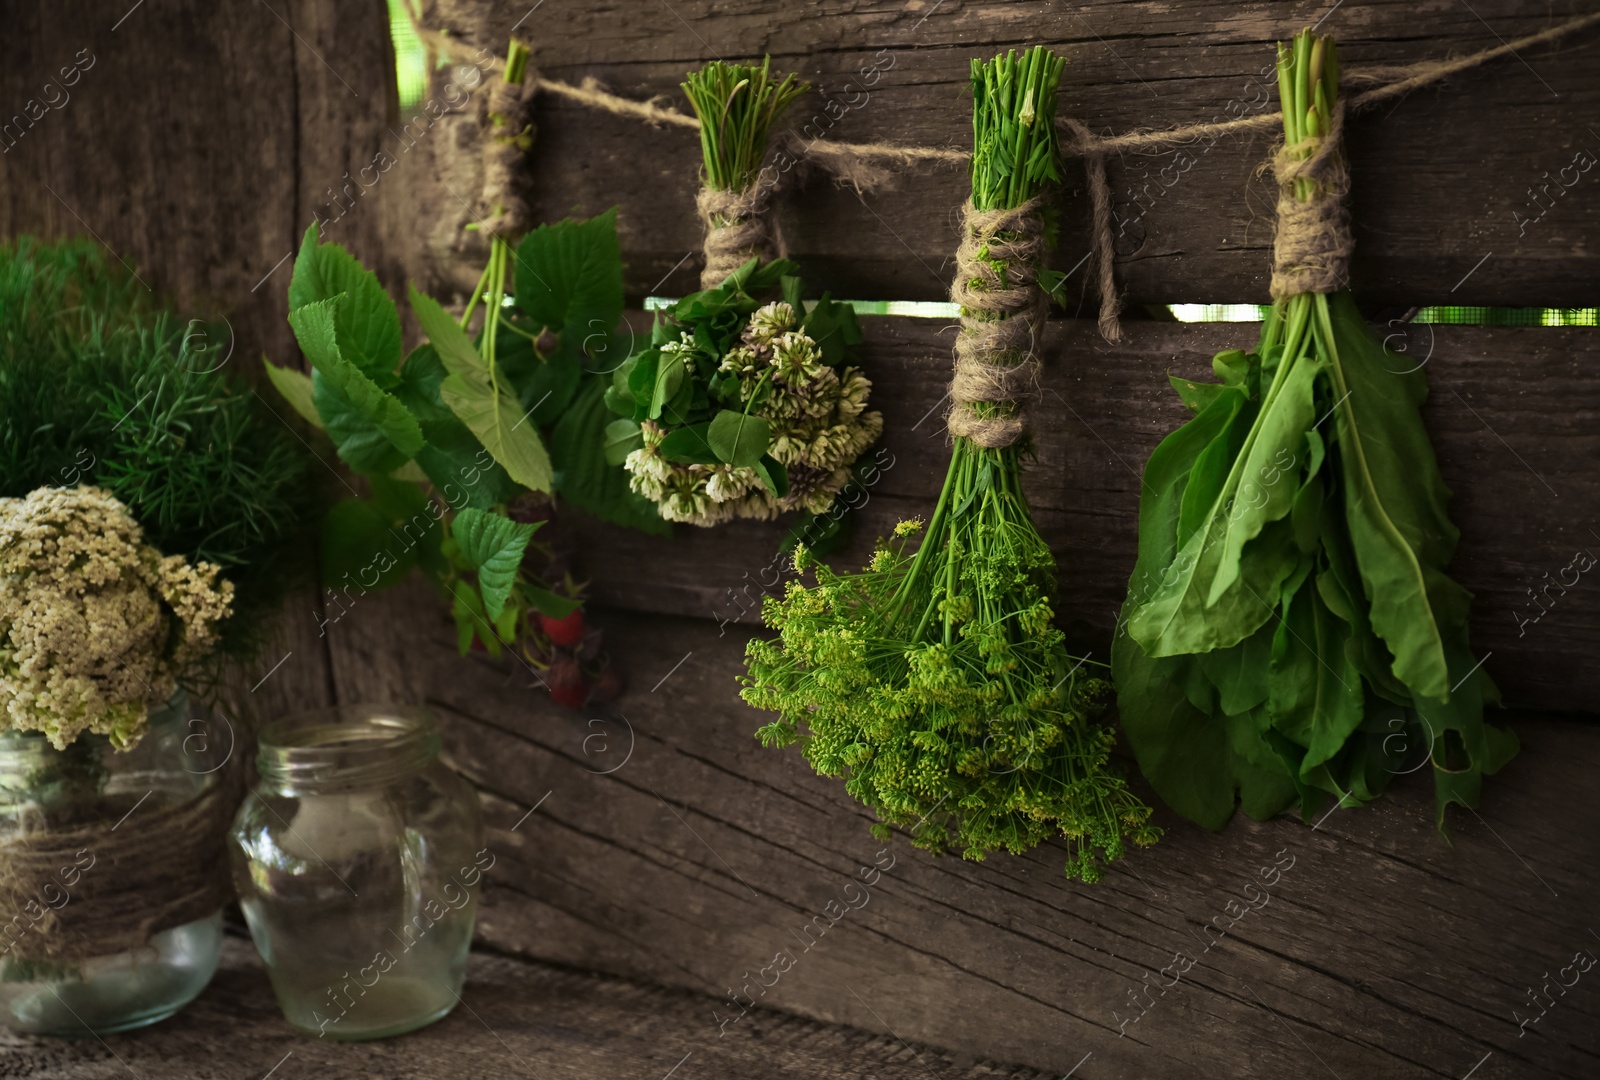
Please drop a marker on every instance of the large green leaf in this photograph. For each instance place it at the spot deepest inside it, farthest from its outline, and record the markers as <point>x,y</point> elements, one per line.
<point>372,429</point>
<point>1395,502</point>
<point>1316,694</point>
<point>489,410</point>
<point>296,388</point>
<point>493,546</point>
<point>582,448</point>
<point>569,276</point>
<point>1184,752</point>
<point>463,471</point>
<point>738,438</point>
<point>367,325</point>
<point>502,429</point>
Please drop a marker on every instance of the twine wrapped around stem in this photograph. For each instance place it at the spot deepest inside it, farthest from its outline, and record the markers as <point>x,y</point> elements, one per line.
<point>1311,253</point>
<point>508,135</point>
<point>737,230</point>
<point>71,892</point>
<point>861,164</point>
<point>1002,310</point>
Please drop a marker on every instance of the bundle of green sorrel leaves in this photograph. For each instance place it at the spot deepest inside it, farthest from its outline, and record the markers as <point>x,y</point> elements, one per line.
<point>452,436</point>
<point>934,680</point>
<point>1290,632</point>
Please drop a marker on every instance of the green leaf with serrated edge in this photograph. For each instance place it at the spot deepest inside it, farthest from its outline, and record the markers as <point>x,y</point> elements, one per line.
<point>492,545</point>
<point>569,276</point>
<point>367,326</point>
<point>584,477</point>
<point>295,387</point>
<point>495,420</point>
<point>738,438</point>
<point>622,437</point>
<point>372,429</point>
<point>451,343</point>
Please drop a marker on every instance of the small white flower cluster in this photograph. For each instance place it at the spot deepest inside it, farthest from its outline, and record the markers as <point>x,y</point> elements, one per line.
<point>819,419</point>
<point>95,625</point>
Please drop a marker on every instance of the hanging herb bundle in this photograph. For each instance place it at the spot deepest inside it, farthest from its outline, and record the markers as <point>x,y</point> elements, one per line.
<point>742,405</point>
<point>934,681</point>
<point>452,438</point>
<point>1289,613</point>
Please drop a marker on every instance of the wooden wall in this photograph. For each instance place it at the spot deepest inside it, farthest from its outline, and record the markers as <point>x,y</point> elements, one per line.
<point>205,137</point>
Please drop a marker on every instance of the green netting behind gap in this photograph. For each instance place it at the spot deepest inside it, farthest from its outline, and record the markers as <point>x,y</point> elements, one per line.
<point>1454,316</point>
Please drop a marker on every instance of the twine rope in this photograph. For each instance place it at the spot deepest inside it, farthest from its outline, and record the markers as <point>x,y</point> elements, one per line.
<point>1002,312</point>
<point>868,165</point>
<point>162,868</point>
<point>1311,252</point>
<point>736,229</point>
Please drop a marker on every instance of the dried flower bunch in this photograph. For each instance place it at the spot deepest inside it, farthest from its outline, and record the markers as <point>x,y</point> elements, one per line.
<point>815,414</point>
<point>96,626</point>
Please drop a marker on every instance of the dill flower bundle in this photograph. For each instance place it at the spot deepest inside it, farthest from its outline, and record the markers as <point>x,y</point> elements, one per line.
<point>934,681</point>
<point>96,626</point>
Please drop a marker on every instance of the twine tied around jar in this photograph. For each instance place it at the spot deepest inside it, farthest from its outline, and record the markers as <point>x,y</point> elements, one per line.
<point>72,892</point>
<point>1002,313</point>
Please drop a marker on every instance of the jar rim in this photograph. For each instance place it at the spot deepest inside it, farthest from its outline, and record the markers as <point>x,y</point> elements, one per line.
<point>346,744</point>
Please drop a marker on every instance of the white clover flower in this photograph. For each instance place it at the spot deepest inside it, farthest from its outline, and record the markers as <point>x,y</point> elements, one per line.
<point>796,358</point>
<point>768,322</point>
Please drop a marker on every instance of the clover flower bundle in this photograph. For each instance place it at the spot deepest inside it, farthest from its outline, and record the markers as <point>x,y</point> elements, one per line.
<point>743,409</point>
<point>96,626</point>
<point>934,681</point>
<point>741,406</point>
<point>1290,624</point>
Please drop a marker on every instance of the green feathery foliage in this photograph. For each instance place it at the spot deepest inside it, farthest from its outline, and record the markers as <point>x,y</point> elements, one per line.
<point>936,682</point>
<point>100,385</point>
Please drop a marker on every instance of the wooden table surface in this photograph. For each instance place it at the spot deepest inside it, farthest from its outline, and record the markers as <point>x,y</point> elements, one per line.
<point>516,1019</point>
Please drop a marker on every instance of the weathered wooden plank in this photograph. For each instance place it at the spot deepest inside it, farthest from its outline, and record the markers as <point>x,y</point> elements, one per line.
<point>1512,414</point>
<point>176,142</point>
<point>1459,191</point>
<point>670,846</point>
<point>515,1019</point>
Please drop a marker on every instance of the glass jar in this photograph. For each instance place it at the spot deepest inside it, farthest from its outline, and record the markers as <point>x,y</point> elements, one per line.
<point>98,848</point>
<point>357,859</point>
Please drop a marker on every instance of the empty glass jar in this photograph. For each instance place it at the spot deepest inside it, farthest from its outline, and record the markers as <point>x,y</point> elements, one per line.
<point>357,859</point>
